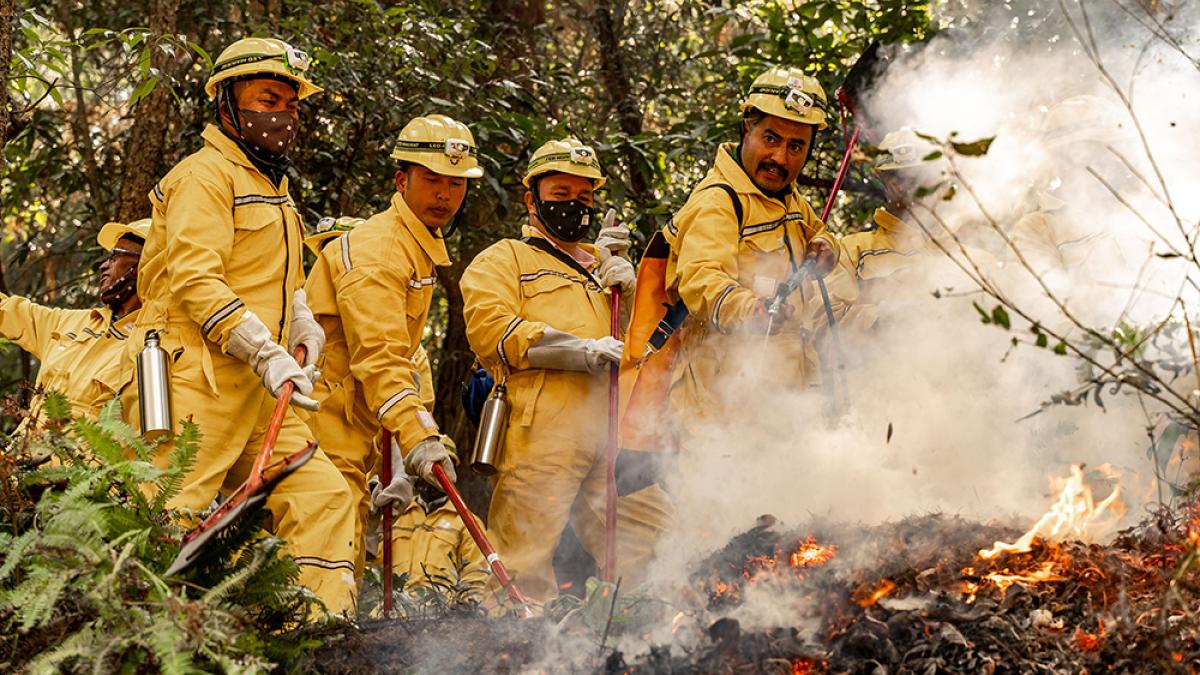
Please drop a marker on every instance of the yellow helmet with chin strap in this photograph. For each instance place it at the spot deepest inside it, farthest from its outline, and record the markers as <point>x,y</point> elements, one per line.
<point>790,94</point>
<point>441,144</point>
<point>262,56</point>
<point>566,156</point>
<point>329,228</point>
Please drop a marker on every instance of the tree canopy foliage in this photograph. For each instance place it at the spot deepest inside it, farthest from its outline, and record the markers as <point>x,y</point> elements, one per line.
<point>106,96</point>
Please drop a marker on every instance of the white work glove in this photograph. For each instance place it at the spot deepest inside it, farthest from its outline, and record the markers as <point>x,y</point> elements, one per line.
<point>251,342</point>
<point>613,240</point>
<point>618,272</point>
<point>399,492</point>
<point>424,455</point>
<point>305,331</point>
<point>562,351</point>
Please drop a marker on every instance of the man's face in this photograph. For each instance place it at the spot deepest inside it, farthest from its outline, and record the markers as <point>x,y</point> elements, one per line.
<point>774,150</point>
<point>561,187</point>
<point>433,197</point>
<point>266,95</point>
<point>123,257</point>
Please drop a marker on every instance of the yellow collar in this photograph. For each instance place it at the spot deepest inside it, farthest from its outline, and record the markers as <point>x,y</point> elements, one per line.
<point>230,151</point>
<point>434,247</point>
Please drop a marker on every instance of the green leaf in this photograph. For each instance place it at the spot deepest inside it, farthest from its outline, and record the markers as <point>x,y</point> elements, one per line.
<point>1042,341</point>
<point>936,154</point>
<point>143,89</point>
<point>983,315</point>
<point>1000,317</point>
<point>949,194</point>
<point>974,148</point>
<point>1060,349</point>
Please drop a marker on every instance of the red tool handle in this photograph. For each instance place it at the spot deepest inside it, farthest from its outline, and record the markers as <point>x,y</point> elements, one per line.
<point>480,538</point>
<point>385,478</point>
<point>841,174</point>
<point>283,398</point>
<point>614,403</point>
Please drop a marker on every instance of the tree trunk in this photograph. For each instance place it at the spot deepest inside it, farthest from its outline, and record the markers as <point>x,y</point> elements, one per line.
<point>8,10</point>
<point>608,25</point>
<point>144,150</point>
<point>512,21</point>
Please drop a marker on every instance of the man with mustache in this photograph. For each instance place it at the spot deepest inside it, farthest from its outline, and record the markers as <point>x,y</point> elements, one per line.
<point>744,230</point>
<point>371,289</point>
<point>221,282</point>
<point>82,350</point>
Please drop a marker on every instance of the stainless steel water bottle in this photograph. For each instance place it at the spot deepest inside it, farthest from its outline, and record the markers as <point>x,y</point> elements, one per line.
<point>154,390</point>
<point>489,442</point>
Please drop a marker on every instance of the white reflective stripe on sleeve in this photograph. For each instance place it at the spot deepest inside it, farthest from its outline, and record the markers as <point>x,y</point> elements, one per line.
<point>387,405</point>
<point>716,313</point>
<point>345,240</point>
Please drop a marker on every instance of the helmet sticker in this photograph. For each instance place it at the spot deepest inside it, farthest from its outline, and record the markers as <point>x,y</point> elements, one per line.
<point>456,149</point>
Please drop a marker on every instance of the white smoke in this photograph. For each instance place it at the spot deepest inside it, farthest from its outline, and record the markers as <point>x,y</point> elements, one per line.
<point>950,388</point>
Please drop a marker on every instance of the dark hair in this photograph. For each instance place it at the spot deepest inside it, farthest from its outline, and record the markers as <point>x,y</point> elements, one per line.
<point>132,237</point>
<point>753,116</point>
<point>404,165</point>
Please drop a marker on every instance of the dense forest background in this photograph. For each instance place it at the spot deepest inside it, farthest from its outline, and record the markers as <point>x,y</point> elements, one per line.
<point>102,97</point>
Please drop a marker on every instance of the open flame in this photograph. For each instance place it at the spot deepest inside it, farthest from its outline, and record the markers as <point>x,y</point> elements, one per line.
<point>1075,515</point>
<point>784,564</point>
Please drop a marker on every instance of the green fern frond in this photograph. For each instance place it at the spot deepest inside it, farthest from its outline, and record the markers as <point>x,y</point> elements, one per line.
<point>14,553</point>
<point>182,460</point>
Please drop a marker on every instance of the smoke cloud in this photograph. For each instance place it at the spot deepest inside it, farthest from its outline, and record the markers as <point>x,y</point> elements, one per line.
<point>936,395</point>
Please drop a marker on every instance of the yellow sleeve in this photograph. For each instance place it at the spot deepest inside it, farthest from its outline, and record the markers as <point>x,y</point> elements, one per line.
<point>27,323</point>
<point>707,265</point>
<point>372,303</point>
<point>199,228</point>
<point>491,288</point>
<point>424,378</point>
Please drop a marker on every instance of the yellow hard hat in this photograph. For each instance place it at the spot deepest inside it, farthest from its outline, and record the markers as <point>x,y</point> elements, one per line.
<point>790,94</point>
<point>262,56</point>
<point>1085,118</point>
<point>904,148</point>
<point>566,156</point>
<point>441,144</point>
<point>329,228</point>
<point>111,233</point>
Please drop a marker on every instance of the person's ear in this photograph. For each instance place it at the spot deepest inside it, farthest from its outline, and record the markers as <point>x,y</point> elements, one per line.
<point>401,180</point>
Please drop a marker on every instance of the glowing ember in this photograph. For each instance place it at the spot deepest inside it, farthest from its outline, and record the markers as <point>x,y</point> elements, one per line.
<point>801,667</point>
<point>1089,642</point>
<point>882,589</point>
<point>808,554</point>
<point>1075,515</point>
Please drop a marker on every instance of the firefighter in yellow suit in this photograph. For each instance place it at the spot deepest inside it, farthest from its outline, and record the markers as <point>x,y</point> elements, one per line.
<point>82,351</point>
<point>726,269</point>
<point>221,281</point>
<point>371,290</point>
<point>431,544</point>
<point>538,317</point>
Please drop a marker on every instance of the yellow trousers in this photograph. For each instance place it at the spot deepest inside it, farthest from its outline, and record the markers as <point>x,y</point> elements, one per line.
<point>310,510</point>
<point>553,473</point>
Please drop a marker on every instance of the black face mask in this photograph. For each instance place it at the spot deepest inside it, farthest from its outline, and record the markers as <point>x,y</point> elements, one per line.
<point>565,220</point>
<point>122,290</point>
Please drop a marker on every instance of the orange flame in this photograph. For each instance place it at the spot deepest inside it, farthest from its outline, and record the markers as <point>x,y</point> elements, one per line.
<point>1074,515</point>
<point>882,589</point>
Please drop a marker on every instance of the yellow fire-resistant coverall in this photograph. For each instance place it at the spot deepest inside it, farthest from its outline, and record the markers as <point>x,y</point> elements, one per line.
<point>371,290</point>
<point>723,271</point>
<point>224,240</point>
<point>435,545</point>
<point>553,467</point>
<point>871,257</point>
<point>82,351</point>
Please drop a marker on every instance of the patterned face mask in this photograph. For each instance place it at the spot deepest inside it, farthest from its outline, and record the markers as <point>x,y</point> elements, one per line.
<point>566,220</point>
<point>270,132</point>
